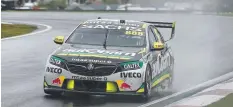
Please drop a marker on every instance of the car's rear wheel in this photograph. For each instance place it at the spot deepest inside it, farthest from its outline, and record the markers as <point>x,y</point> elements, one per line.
<point>147,85</point>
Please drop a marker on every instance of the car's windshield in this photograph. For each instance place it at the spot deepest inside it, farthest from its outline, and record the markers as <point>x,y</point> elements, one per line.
<point>113,37</point>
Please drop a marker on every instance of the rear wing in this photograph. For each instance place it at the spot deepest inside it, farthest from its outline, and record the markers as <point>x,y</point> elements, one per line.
<point>164,25</point>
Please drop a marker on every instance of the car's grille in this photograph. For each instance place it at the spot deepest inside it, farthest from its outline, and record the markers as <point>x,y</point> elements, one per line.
<point>99,69</point>
<point>96,86</point>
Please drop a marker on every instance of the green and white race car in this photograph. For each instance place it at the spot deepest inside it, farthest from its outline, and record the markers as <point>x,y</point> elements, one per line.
<point>108,56</point>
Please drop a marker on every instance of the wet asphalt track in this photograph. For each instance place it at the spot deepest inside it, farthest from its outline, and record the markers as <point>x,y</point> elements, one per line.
<point>202,47</point>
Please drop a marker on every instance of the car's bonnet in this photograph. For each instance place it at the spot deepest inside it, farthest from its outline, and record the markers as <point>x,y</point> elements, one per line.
<point>97,54</point>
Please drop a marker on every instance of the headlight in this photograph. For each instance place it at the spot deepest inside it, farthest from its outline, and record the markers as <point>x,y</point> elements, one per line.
<point>57,62</point>
<point>133,65</point>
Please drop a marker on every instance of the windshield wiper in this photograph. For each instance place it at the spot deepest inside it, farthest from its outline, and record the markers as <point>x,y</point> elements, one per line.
<point>105,41</point>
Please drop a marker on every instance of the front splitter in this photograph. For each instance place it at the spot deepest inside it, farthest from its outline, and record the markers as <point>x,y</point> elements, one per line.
<point>93,93</point>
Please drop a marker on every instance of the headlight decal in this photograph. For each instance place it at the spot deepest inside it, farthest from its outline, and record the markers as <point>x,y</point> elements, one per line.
<point>57,62</point>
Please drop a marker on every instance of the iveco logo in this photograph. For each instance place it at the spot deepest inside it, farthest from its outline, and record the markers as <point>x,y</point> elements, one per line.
<point>90,66</point>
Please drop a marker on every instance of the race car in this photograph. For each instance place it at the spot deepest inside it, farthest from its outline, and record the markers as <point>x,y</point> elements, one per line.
<point>111,57</point>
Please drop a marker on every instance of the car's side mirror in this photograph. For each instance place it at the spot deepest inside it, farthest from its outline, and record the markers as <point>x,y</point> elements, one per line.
<point>59,39</point>
<point>158,46</point>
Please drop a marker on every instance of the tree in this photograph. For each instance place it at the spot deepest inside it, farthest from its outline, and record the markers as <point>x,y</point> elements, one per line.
<point>54,4</point>
<point>225,5</point>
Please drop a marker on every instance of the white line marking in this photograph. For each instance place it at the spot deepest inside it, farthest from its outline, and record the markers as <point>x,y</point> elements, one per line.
<point>33,33</point>
<point>198,101</point>
<point>221,86</point>
<point>202,85</point>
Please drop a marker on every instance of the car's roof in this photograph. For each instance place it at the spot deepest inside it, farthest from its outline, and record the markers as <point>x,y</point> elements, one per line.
<point>115,22</point>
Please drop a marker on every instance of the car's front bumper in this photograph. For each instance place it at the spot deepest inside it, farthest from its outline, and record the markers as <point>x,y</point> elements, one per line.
<point>100,88</point>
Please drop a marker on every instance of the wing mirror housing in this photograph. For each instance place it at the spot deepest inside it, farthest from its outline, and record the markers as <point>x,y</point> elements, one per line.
<point>59,40</point>
<point>158,46</point>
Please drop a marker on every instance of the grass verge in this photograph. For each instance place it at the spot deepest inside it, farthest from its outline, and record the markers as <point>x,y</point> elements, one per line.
<point>226,13</point>
<point>224,102</point>
<point>9,30</point>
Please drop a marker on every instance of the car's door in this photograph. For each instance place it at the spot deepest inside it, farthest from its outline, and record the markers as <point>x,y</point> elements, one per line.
<point>164,55</point>
<point>153,54</point>
<point>160,39</point>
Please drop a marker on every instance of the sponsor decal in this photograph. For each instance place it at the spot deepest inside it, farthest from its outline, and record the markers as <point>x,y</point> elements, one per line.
<point>161,64</point>
<point>103,52</point>
<point>90,78</point>
<point>130,75</point>
<point>115,23</point>
<point>119,27</point>
<point>123,85</point>
<point>132,65</point>
<point>59,81</point>
<point>54,70</point>
<point>91,60</point>
<point>96,55</point>
<point>134,33</point>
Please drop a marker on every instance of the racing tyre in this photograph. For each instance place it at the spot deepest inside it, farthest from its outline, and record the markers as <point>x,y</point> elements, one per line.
<point>147,85</point>
<point>170,86</point>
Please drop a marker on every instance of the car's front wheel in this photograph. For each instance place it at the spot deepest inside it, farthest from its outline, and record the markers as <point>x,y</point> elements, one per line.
<point>147,85</point>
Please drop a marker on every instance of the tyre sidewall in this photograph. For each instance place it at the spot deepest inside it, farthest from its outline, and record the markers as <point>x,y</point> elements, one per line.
<point>147,89</point>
